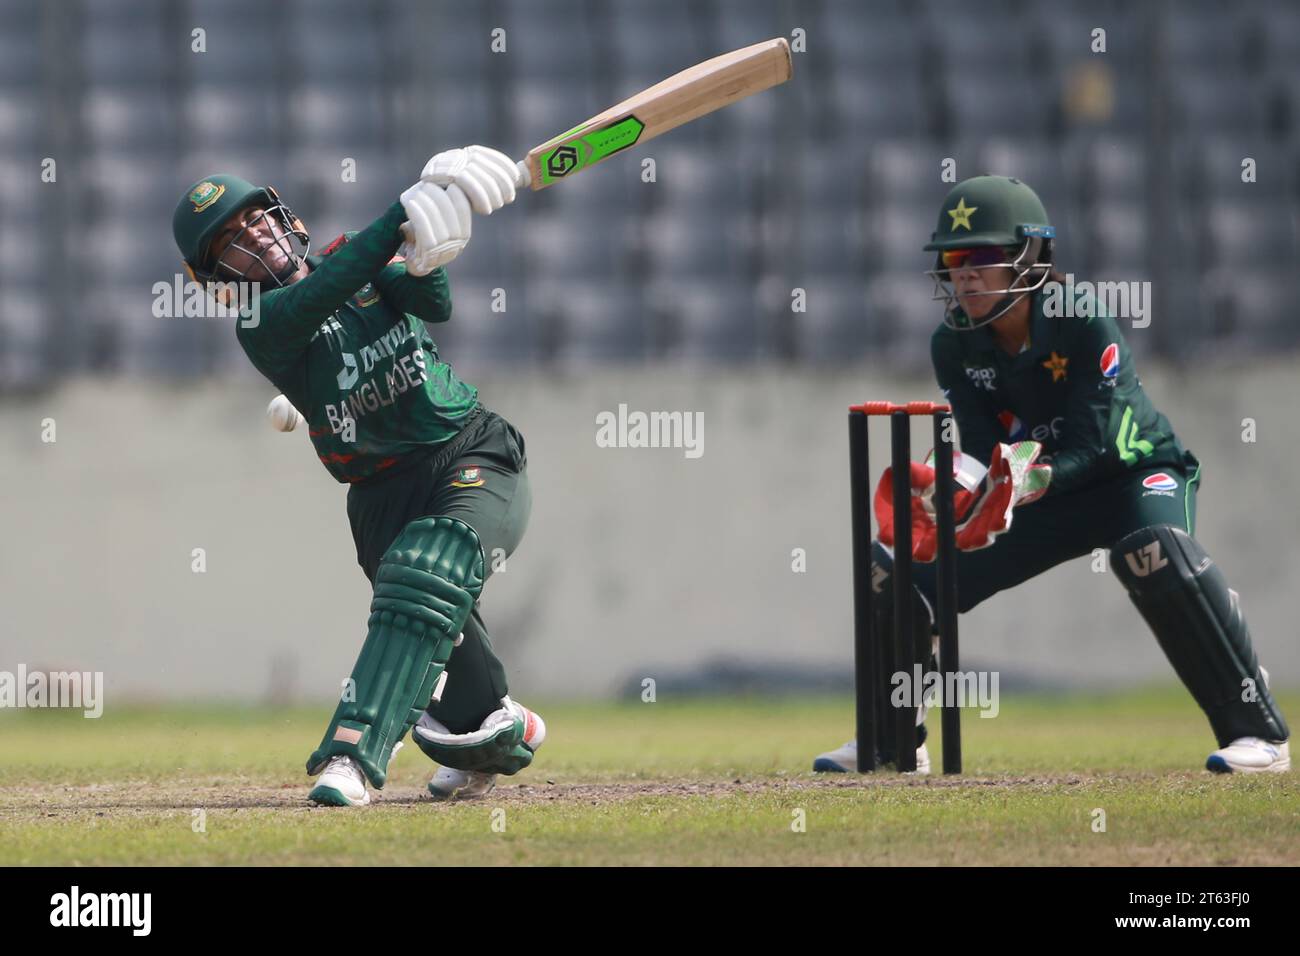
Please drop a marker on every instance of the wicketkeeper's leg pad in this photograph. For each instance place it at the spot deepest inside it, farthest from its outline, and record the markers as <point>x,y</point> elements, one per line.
<point>425,588</point>
<point>498,746</point>
<point>1197,620</point>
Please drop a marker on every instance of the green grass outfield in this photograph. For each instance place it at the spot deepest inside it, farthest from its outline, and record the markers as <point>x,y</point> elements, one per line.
<point>713,782</point>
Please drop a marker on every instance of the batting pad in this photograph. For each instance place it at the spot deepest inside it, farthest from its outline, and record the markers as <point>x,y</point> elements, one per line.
<point>425,588</point>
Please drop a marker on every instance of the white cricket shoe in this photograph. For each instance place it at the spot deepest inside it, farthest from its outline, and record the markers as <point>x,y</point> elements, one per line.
<point>1251,755</point>
<point>845,760</point>
<point>341,784</point>
<point>451,784</point>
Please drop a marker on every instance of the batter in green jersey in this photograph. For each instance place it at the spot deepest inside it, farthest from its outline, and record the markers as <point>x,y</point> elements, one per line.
<point>439,493</point>
<point>1111,473</point>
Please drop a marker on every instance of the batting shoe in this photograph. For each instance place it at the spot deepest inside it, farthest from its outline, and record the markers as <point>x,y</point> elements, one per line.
<point>342,784</point>
<point>1251,755</point>
<point>452,784</point>
<point>845,760</point>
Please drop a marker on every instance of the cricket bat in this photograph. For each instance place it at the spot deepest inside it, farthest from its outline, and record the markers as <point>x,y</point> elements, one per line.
<point>685,96</point>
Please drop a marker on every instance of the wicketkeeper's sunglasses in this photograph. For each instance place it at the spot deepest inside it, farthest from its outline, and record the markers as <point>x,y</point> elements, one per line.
<point>975,257</point>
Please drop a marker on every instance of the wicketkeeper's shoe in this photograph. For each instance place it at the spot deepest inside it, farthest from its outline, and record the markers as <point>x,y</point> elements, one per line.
<point>452,784</point>
<point>845,760</point>
<point>341,784</point>
<point>1251,755</point>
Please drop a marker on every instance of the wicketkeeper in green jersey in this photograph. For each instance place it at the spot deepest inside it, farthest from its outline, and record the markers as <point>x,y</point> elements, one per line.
<point>1057,433</point>
<point>439,493</point>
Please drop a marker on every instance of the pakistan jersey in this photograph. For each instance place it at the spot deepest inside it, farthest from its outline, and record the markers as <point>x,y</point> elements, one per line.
<point>1073,388</point>
<point>348,347</point>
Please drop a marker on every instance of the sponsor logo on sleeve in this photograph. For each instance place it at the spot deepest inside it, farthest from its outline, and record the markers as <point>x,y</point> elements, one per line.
<point>1109,366</point>
<point>1160,484</point>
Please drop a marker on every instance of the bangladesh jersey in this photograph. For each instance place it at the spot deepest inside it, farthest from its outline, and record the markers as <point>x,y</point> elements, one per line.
<point>1073,388</point>
<point>348,347</point>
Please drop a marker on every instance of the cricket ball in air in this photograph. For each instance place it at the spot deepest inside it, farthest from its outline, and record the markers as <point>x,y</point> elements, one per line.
<point>282,415</point>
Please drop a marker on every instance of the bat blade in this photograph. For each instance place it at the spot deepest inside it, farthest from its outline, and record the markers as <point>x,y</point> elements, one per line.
<point>685,96</point>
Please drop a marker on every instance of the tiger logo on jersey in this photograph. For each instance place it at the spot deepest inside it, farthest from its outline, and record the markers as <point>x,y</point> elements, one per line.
<point>468,478</point>
<point>366,295</point>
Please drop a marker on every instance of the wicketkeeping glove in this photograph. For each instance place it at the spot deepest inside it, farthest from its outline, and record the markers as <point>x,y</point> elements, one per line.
<point>983,504</point>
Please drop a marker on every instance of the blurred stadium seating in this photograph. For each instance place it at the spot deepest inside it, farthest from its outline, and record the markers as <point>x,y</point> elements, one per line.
<point>829,184</point>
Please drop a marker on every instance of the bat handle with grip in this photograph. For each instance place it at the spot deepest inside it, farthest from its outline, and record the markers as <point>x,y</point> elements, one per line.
<point>522,176</point>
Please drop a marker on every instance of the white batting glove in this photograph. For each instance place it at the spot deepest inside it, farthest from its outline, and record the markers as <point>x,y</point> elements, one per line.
<point>488,177</point>
<point>437,226</point>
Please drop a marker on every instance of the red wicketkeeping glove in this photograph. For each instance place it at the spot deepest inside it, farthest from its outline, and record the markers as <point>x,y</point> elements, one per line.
<point>982,504</point>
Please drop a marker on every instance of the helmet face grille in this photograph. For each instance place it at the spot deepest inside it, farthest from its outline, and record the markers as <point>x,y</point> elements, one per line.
<point>1031,267</point>
<point>288,230</point>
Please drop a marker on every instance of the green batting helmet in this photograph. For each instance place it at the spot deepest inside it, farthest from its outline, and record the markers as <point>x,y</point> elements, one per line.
<point>207,205</point>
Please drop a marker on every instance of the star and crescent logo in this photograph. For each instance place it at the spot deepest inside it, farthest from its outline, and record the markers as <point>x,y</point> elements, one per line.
<point>1056,365</point>
<point>961,214</point>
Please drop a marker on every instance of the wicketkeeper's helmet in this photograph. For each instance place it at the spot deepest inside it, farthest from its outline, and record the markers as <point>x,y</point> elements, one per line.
<point>992,211</point>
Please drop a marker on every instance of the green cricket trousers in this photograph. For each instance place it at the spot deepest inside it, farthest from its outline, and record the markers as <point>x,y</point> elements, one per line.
<point>479,477</point>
